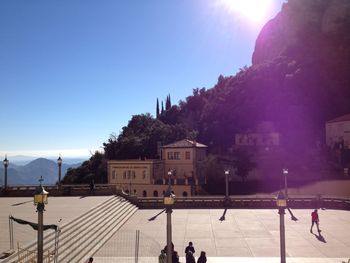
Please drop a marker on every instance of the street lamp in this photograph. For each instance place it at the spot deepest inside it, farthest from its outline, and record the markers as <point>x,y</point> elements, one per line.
<point>227,173</point>
<point>168,203</point>
<point>6,164</point>
<point>281,203</point>
<point>40,199</point>
<point>59,162</point>
<point>285,173</point>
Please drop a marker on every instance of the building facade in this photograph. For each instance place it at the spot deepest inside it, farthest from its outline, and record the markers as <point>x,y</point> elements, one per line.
<point>338,132</point>
<point>150,177</point>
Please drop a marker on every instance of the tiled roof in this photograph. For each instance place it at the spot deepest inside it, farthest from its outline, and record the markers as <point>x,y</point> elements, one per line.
<point>184,144</point>
<point>345,117</point>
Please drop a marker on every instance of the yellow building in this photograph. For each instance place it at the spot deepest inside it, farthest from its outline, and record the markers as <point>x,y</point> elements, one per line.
<point>150,177</point>
<point>185,159</point>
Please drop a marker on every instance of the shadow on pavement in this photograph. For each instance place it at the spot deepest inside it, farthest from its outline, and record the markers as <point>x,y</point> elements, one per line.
<point>22,203</point>
<point>292,215</point>
<point>154,217</point>
<point>320,237</point>
<point>222,218</point>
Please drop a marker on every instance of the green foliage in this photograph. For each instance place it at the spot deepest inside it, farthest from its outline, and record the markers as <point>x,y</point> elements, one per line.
<point>140,138</point>
<point>95,169</point>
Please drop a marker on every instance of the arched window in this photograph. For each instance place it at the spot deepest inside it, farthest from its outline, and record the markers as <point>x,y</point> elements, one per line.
<point>155,193</point>
<point>144,193</point>
<point>184,194</point>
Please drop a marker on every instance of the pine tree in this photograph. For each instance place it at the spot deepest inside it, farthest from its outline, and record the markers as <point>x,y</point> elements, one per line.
<point>157,109</point>
<point>162,110</point>
<point>167,103</point>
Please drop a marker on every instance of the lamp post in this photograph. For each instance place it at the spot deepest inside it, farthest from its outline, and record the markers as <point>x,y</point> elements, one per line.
<point>281,203</point>
<point>6,164</point>
<point>168,203</point>
<point>227,173</point>
<point>285,173</point>
<point>59,162</point>
<point>40,199</point>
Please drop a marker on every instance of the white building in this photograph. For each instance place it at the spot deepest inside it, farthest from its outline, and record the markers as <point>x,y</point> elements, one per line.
<point>338,132</point>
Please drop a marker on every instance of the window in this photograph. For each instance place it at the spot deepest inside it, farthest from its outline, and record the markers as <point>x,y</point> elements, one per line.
<point>124,175</point>
<point>133,175</point>
<point>170,156</point>
<point>113,175</point>
<point>143,174</point>
<point>177,155</point>
<point>129,174</point>
<point>144,194</point>
<point>188,155</point>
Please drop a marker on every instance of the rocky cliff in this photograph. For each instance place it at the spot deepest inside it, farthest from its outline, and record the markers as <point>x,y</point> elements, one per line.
<point>304,27</point>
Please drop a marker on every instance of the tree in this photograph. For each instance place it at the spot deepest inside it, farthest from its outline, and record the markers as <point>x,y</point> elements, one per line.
<point>244,164</point>
<point>157,109</point>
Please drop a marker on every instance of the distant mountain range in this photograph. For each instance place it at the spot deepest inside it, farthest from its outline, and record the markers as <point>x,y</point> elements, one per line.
<point>30,173</point>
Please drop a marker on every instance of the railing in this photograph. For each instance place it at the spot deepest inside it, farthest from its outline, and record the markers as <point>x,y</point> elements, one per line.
<point>248,201</point>
<point>28,256</point>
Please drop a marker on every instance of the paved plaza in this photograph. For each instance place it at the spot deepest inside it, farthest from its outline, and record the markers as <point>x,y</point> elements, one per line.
<point>247,235</point>
<point>237,235</point>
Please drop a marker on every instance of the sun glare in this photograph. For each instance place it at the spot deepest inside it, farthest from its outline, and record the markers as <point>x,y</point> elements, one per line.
<point>254,10</point>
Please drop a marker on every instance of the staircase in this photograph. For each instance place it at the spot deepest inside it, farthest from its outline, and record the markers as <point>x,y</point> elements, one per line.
<point>85,235</point>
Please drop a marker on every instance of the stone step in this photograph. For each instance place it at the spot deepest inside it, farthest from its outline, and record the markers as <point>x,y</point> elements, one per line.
<point>100,239</point>
<point>49,238</point>
<point>88,234</point>
<point>93,218</point>
<point>114,209</point>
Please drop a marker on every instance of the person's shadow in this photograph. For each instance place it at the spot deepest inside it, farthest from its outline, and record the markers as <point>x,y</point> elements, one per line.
<point>292,215</point>
<point>320,237</point>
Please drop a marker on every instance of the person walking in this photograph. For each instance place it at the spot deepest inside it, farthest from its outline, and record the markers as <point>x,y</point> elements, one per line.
<point>162,257</point>
<point>190,248</point>
<point>202,258</point>
<point>315,220</point>
<point>176,258</point>
<point>90,260</point>
<point>190,258</point>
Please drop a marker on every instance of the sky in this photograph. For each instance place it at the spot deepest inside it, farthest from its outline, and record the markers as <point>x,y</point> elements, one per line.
<point>72,72</point>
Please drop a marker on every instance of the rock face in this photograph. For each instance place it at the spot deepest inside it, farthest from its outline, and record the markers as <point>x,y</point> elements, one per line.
<point>303,25</point>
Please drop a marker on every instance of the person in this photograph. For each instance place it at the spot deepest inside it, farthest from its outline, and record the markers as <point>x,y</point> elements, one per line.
<point>176,258</point>
<point>202,258</point>
<point>166,247</point>
<point>90,260</point>
<point>189,257</point>
<point>162,257</point>
<point>92,185</point>
<point>315,220</point>
<point>190,248</point>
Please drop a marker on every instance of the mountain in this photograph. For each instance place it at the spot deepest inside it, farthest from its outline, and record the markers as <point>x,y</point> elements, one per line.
<point>30,173</point>
<point>23,159</point>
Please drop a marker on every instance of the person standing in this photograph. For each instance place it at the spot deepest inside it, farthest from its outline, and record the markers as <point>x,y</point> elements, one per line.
<point>190,258</point>
<point>176,258</point>
<point>162,257</point>
<point>202,258</point>
<point>315,220</point>
<point>90,260</point>
<point>190,248</point>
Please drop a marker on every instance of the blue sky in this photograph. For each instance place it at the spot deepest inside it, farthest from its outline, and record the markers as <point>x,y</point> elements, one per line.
<point>73,72</point>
